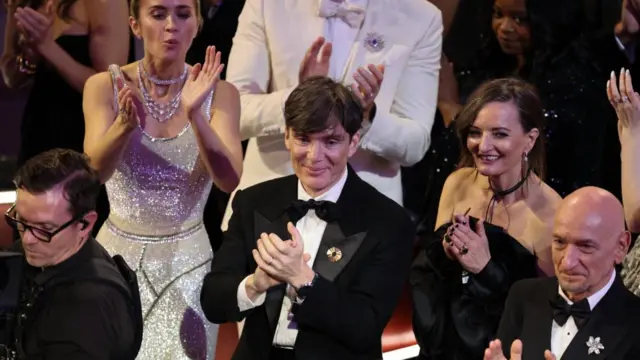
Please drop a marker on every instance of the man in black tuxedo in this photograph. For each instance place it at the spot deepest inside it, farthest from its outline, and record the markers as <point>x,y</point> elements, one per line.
<point>329,292</point>
<point>584,312</point>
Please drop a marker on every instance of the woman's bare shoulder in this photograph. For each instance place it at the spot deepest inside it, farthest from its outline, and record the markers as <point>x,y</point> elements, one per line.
<point>461,176</point>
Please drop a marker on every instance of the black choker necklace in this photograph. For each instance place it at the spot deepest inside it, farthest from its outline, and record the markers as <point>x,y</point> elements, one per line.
<point>499,194</point>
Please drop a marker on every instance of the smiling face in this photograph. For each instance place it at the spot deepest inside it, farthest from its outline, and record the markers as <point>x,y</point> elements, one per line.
<point>497,140</point>
<point>510,25</point>
<point>320,159</point>
<point>167,27</point>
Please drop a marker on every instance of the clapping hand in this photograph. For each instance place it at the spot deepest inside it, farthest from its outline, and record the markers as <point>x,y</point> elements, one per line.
<point>201,81</point>
<point>494,351</point>
<point>625,101</point>
<point>35,27</point>
<point>367,85</point>
<point>316,60</point>
<point>127,109</point>
<point>282,260</point>
<point>469,247</point>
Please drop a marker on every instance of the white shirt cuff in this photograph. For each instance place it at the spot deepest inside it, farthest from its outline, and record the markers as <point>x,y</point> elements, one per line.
<point>244,303</point>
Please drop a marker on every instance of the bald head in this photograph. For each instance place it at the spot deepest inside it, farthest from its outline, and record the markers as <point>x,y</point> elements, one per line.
<point>593,208</point>
<point>589,240</point>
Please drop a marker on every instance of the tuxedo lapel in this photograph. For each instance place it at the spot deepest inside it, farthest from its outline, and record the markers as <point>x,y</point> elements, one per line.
<point>603,330</point>
<point>273,219</point>
<point>536,335</point>
<point>344,236</point>
<point>334,240</point>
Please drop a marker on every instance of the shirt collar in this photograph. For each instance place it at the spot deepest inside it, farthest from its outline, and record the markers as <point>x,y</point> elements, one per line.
<point>331,195</point>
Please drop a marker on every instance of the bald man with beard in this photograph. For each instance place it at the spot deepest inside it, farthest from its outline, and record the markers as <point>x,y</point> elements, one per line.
<point>584,312</point>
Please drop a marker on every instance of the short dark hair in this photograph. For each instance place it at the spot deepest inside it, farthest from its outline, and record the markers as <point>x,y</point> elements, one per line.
<point>66,168</point>
<point>318,104</point>
<point>507,90</point>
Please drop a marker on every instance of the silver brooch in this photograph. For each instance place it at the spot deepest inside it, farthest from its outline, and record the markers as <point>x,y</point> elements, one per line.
<point>374,42</point>
<point>594,345</point>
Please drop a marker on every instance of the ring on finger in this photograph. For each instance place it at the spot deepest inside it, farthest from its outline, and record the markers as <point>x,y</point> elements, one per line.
<point>624,99</point>
<point>464,250</point>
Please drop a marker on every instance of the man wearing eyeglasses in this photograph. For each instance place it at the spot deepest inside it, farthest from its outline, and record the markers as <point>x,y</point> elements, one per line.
<point>75,302</point>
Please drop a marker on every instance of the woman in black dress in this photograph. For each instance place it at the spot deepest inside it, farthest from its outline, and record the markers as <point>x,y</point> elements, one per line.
<point>57,45</point>
<point>493,226</point>
<point>551,45</point>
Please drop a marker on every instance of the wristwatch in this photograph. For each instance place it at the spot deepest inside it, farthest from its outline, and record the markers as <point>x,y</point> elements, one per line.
<point>304,290</point>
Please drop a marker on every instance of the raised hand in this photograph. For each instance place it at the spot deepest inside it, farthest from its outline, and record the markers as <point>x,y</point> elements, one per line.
<point>35,27</point>
<point>549,356</point>
<point>494,351</point>
<point>282,260</point>
<point>314,65</point>
<point>625,101</point>
<point>469,246</point>
<point>367,85</point>
<point>201,81</point>
<point>127,109</point>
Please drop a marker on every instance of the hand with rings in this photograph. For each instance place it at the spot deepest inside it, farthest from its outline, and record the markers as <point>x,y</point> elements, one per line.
<point>625,101</point>
<point>470,248</point>
<point>367,85</point>
<point>127,109</point>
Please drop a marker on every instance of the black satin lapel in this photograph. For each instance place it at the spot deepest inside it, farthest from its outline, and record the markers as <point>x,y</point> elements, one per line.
<point>600,329</point>
<point>334,237</point>
<point>536,336</point>
<point>278,226</point>
<point>273,304</point>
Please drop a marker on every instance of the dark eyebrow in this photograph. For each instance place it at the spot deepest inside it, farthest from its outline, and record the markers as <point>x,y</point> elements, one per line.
<point>36,224</point>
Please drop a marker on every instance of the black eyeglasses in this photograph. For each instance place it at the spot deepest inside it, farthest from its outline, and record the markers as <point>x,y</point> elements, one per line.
<point>40,234</point>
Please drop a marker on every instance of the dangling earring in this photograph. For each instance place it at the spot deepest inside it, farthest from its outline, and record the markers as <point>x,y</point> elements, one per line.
<point>525,158</point>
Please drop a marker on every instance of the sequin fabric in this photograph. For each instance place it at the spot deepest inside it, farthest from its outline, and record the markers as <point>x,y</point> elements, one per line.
<point>631,269</point>
<point>157,196</point>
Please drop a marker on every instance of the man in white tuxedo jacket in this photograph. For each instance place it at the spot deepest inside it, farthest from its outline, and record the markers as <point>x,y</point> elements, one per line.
<point>402,37</point>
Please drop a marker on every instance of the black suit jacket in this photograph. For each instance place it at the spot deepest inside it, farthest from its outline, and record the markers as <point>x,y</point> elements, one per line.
<point>345,313</point>
<point>528,317</point>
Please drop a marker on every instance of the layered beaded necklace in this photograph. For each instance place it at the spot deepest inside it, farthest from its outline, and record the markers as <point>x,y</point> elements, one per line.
<point>160,112</point>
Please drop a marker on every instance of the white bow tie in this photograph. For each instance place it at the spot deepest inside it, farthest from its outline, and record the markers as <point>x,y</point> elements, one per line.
<point>353,15</point>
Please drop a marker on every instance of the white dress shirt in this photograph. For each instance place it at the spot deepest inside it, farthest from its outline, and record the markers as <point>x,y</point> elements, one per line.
<point>311,229</point>
<point>561,336</point>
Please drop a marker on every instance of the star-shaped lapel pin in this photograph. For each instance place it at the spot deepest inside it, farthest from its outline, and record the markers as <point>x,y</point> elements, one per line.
<point>594,345</point>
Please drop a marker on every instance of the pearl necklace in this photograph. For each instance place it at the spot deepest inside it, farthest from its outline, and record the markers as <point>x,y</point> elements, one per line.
<point>160,112</point>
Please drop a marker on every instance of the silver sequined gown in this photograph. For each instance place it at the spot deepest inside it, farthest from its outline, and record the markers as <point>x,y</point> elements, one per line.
<point>631,269</point>
<point>157,196</point>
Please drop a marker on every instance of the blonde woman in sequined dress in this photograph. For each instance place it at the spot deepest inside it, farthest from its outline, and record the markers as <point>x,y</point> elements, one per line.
<point>160,133</point>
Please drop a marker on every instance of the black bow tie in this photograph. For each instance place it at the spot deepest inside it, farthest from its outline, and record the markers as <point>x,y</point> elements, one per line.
<point>579,311</point>
<point>325,210</point>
